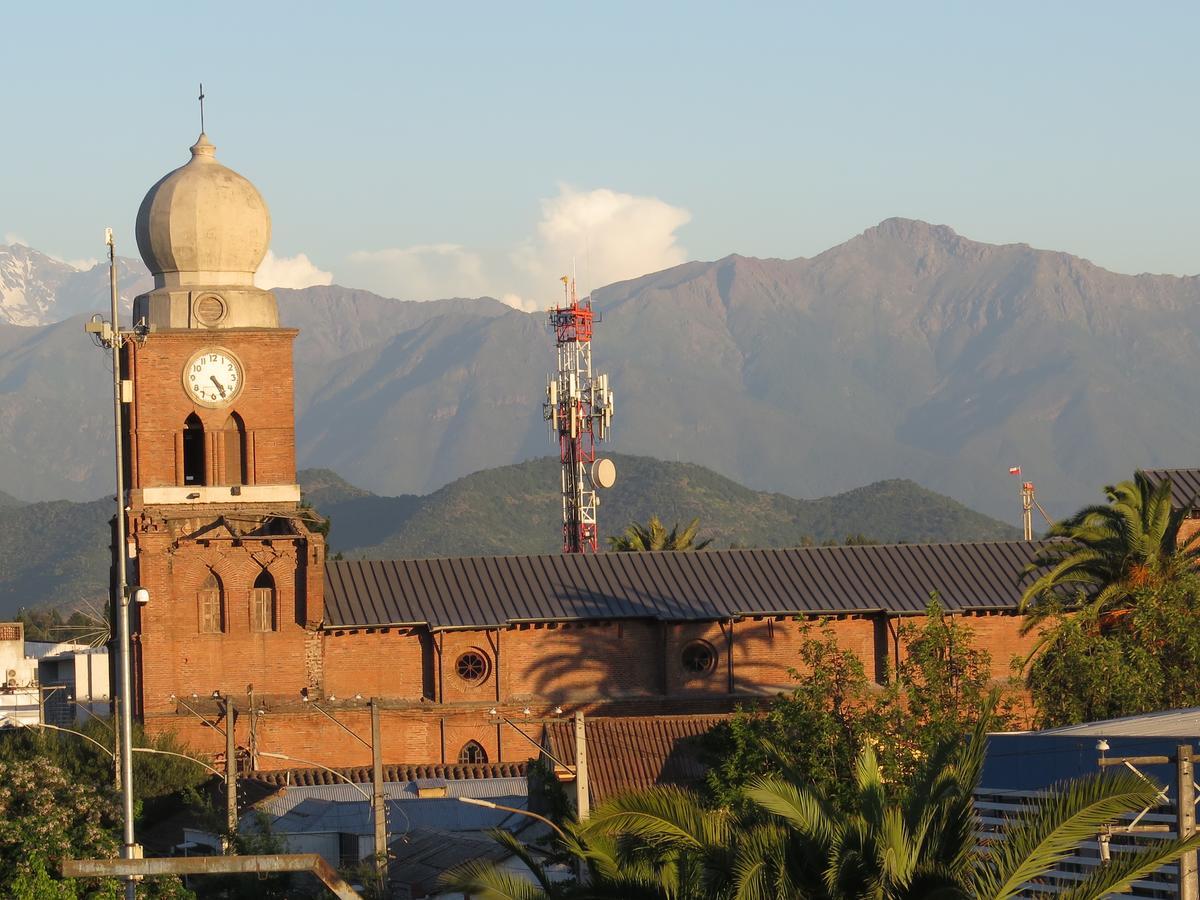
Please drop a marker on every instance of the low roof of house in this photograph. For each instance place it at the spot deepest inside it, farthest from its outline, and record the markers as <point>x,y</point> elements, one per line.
<point>635,752</point>
<point>417,860</point>
<point>327,808</point>
<point>495,591</point>
<point>1183,722</point>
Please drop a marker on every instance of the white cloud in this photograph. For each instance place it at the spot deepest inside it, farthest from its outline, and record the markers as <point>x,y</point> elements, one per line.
<point>516,301</point>
<point>611,237</point>
<point>81,265</point>
<point>420,272</point>
<point>289,272</point>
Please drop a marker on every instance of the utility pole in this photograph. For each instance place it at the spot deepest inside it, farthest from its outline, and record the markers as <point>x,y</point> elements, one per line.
<point>583,805</point>
<point>109,335</point>
<point>377,801</point>
<point>230,769</point>
<point>1185,810</point>
<point>252,741</point>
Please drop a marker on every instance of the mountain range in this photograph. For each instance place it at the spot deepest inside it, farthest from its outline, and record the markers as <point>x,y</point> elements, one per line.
<point>36,289</point>
<point>56,553</point>
<point>906,352</point>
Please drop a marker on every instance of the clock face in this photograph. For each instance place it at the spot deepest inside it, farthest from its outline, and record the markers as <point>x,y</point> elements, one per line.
<point>213,377</point>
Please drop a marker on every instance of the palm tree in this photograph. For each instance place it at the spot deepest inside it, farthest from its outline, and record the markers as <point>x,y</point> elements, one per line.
<point>653,872</point>
<point>1108,551</point>
<point>654,536</point>
<point>888,843</point>
<point>924,843</point>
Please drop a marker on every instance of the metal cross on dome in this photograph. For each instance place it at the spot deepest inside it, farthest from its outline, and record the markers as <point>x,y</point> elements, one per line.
<point>202,107</point>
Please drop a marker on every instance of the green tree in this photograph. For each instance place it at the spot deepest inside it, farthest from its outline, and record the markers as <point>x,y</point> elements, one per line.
<point>817,728</point>
<point>939,690</point>
<point>48,816</point>
<point>1093,665</point>
<point>941,686</point>
<point>654,536</point>
<point>1109,551</point>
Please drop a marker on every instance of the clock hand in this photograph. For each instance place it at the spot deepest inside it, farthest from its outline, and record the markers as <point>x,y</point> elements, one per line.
<point>219,386</point>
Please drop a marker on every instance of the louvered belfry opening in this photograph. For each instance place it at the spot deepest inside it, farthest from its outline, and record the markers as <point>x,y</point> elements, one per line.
<point>193,451</point>
<point>234,432</point>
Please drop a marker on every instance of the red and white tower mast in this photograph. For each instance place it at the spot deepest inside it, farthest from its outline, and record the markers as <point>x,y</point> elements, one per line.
<point>579,408</point>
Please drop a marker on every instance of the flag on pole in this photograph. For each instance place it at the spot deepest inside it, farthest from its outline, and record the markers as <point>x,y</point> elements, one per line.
<point>1014,470</point>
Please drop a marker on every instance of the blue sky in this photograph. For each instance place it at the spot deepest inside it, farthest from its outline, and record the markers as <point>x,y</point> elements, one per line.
<point>474,148</point>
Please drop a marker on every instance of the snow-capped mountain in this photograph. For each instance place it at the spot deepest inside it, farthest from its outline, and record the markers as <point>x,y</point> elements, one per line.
<point>36,289</point>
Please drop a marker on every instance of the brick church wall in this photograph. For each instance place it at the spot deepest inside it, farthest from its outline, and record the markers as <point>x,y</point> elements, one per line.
<point>627,668</point>
<point>160,408</point>
<point>177,658</point>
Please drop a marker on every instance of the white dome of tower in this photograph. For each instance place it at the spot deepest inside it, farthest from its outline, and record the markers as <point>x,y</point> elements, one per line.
<point>203,223</point>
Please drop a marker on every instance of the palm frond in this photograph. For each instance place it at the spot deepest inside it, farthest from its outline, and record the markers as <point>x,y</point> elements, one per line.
<point>1125,868</point>
<point>661,816</point>
<point>1053,827</point>
<point>487,881</point>
<point>800,808</point>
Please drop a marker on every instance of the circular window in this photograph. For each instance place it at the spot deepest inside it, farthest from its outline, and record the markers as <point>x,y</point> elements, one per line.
<point>699,657</point>
<point>472,666</point>
<point>209,309</point>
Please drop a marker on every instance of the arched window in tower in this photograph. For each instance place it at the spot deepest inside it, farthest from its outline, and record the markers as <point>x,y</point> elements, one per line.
<point>235,449</point>
<point>193,451</point>
<point>262,603</point>
<point>472,754</point>
<point>210,604</point>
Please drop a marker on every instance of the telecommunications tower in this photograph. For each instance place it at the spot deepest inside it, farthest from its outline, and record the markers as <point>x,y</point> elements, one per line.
<point>579,408</point>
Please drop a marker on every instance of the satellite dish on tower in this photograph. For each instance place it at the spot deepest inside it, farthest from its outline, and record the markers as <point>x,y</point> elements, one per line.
<point>604,473</point>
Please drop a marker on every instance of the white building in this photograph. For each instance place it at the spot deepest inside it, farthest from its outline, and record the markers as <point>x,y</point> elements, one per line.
<point>54,683</point>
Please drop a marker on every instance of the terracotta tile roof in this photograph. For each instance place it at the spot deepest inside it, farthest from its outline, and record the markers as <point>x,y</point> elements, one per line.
<point>493,591</point>
<point>362,774</point>
<point>637,752</point>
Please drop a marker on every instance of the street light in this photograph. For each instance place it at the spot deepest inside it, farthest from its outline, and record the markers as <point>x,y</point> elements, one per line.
<point>336,774</point>
<point>109,335</point>
<point>317,765</point>
<point>488,804</point>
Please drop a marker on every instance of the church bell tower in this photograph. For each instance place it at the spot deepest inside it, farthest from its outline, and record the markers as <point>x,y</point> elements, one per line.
<point>216,531</point>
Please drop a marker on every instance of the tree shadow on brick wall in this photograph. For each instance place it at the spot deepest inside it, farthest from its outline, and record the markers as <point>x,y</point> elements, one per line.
<point>577,675</point>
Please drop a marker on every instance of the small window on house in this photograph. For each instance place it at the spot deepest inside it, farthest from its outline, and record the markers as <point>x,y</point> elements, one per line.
<point>699,657</point>
<point>262,603</point>
<point>211,608</point>
<point>347,849</point>
<point>472,753</point>
<point>472,667</point>
<point>193,451</point>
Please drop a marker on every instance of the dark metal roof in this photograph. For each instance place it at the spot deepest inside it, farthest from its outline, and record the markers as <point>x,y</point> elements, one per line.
<point>494,591</point>
<point>1185,484</point>
<point>626,754</point>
